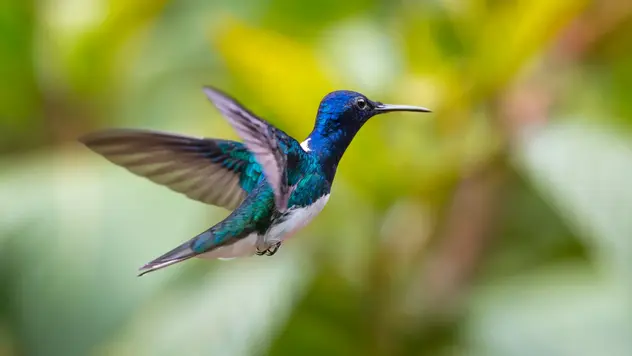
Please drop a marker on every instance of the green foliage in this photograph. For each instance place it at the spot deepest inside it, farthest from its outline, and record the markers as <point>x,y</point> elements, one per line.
<point>495,226</point>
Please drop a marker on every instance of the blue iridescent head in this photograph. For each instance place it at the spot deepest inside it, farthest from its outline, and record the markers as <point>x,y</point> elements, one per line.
<point>349,108</point>
<point>340,116</point>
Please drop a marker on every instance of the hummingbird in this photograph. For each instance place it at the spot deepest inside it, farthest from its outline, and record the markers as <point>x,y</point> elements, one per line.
<point>273,184</point>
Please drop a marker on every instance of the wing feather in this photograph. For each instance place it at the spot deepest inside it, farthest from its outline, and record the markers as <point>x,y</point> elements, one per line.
<point>261,138</point>
<point>208,170</point>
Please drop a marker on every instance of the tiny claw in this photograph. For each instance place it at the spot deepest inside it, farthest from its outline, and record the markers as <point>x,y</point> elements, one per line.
<point>272,250</point>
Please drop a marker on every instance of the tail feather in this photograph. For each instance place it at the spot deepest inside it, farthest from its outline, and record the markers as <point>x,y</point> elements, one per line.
<point>178,254</point>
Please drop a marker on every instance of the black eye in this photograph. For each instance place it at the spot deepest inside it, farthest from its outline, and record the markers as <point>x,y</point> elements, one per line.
<point>361,103</point>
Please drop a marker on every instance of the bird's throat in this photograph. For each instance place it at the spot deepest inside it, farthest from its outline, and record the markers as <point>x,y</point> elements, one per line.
<point>329,145</point>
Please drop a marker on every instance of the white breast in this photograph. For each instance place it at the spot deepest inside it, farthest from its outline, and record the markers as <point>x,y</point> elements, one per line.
<point>305,145</point>
<point>297,219</point>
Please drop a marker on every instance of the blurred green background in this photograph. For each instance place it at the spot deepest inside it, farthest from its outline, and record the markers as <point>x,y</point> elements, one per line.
<point>498,225</point>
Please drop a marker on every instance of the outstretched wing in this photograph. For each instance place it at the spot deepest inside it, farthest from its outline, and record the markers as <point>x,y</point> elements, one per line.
<point>217,172</point>
<point>267,143</point>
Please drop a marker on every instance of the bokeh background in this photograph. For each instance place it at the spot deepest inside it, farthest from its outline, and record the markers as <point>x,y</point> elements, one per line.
<point>498,225</point>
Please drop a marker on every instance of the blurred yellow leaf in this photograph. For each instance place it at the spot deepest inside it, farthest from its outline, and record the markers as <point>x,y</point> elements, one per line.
<point>513,33</point>
<point>286,75</point>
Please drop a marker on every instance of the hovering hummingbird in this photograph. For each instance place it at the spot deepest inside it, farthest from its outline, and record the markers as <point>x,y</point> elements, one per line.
<point>275,184</point>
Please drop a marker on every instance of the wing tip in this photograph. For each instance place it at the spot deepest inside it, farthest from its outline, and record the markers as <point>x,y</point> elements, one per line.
<point>212,91</point>
<point>219,97</point>
<point>89,138</point>
<point>97,137</point>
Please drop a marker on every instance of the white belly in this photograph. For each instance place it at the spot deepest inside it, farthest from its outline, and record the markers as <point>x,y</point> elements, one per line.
<point>241,248</point>
<point>297,219</point>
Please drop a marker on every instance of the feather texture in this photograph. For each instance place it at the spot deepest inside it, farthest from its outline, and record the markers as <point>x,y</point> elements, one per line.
<point>261,138</point>
<point>217,172</point>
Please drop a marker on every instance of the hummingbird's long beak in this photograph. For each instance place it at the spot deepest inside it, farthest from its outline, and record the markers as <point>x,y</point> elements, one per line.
<point>384,108</point>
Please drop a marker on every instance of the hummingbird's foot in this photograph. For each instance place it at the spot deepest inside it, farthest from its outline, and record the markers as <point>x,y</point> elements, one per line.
<point>270,250</point>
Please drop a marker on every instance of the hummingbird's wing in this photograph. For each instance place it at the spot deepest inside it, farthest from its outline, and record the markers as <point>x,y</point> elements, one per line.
<point>217,172</point>
<point>262,139</point>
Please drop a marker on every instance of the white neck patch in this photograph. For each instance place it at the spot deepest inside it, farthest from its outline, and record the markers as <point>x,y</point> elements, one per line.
<point>305,145</point>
